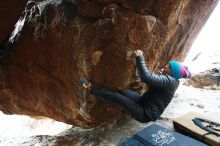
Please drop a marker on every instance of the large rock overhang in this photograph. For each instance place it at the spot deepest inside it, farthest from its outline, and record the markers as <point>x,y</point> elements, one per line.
<point>62,41</point>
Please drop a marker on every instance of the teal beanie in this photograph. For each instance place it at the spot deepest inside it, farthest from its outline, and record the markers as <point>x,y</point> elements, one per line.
<point>179,70</point>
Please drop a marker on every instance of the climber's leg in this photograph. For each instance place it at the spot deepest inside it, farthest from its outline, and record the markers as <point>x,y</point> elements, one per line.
<point>131,107</point>
<point>132,95</point>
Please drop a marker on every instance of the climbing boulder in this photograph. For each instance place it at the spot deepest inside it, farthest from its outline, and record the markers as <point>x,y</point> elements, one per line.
<point>61,41</point>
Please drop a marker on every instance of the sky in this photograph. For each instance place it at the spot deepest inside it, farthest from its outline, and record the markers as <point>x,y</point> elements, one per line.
<point>207,44</point>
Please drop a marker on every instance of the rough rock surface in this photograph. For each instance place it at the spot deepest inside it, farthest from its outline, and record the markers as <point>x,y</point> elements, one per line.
<point>10,11</point>
<point>207,79</point>
<point>64,40</point>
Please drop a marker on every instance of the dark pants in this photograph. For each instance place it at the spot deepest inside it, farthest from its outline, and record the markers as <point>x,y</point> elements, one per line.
<point>131,102</point>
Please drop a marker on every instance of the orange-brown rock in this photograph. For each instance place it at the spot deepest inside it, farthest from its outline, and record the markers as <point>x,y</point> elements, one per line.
<point>63,41</point>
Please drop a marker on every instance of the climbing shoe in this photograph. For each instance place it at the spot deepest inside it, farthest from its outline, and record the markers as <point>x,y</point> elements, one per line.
<point>85,83</point>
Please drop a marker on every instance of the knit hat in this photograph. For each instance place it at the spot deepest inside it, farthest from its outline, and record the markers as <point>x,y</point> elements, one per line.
<point>179,70</point>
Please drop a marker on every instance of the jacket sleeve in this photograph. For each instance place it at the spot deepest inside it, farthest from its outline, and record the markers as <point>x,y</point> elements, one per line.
<point>148,77</point>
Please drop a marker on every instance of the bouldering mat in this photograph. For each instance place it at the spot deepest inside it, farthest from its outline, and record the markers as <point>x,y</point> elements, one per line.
<point>189,124</point>
<point>156,135</point>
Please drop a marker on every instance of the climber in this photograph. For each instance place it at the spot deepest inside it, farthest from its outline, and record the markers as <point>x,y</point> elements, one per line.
<point>149,106</point>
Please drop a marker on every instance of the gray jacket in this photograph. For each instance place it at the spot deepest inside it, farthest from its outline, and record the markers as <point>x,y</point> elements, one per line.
<point>161,91</point>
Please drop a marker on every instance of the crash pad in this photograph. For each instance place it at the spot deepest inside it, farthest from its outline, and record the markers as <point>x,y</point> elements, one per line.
<point>156,135</point>
<point>186,125</point>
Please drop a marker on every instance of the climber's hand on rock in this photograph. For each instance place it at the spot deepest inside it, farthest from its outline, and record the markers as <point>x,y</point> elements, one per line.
<point>138,53</point>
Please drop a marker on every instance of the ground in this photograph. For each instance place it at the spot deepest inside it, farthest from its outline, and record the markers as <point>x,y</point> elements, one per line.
<point>22,131</point>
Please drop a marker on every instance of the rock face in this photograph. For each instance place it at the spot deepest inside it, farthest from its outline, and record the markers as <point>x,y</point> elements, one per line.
<point>207,79</point>
<point>64,40</point>
<point>10,11</point>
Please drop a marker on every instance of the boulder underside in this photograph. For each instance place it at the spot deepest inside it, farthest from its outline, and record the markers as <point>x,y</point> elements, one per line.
<point>57,42</point>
